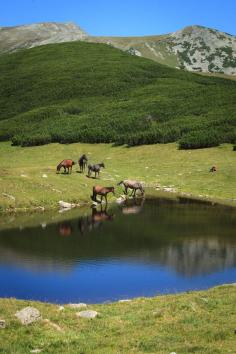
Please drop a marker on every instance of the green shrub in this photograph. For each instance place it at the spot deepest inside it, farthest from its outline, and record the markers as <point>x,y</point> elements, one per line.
<point>199,139</point>
<point>95,93</point>
<point>31,140</point>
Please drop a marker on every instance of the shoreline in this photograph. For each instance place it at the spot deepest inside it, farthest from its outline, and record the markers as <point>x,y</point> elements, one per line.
<point>111,302</point>
<point>162,190</point>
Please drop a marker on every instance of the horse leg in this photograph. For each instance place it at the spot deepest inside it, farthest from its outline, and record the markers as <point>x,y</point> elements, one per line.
<point>125,191</point>
<point>101,198</point>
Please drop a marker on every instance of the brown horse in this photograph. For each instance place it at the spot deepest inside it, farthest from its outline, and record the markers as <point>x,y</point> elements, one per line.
<point>102,191</point>
<point>134,185</point>
<point>66,164</point>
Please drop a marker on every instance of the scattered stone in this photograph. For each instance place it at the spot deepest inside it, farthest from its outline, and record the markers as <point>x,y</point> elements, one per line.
<point>44,225</point>
<point>124,300</point>
<point>65,205</point>
<point>158,313</point>
<point>53,325</point>
<point>23,175</point>
<point>2,324</point>
<point>87,314</point>
<point>39,208</point>
<point>173,353</point>
<point>120,200</point>
<point>9,196</point>
<point>56,190</point>
<point>44,175</point>
<point>77,306</point>
<point>61,308</point>
<point>36,351</point>
<point>169,189</point>
<point>28,315</point>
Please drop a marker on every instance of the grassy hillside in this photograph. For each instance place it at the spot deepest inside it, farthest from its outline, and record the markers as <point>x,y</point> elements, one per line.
<point>194,322</point>
<point>90,92</point>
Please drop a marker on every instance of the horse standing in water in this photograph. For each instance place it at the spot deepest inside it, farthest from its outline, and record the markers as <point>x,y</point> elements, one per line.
<point>102,191</point>
<point>66,164</point>
<point>82,162</point>
<point>95,168</point>
<point>134,185</point>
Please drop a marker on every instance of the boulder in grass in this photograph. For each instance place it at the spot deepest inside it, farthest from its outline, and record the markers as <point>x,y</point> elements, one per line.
<point>87,314</point>
<point>2,324</point>
<point>65,205</point>
<point>28,315</point>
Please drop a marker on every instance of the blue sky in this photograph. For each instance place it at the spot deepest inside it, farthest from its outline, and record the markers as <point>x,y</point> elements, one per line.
<point>123,17</point>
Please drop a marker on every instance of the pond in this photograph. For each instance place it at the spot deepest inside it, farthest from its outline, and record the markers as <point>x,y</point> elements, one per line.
<point>131,250</point>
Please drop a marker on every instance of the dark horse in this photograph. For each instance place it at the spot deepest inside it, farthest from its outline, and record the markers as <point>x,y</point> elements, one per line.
<point>82,162</point>
<point>134,185</point>
<point>102,191</point>
<point>66,164</point>
<point>95,168</point>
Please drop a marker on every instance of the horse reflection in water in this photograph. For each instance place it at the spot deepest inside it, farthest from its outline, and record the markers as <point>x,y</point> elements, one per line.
<point>132,206</point>
<point>87,224</point>
<point>65,229</point>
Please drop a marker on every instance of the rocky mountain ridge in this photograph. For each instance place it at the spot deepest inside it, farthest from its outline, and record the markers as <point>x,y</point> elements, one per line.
<point>28,36</point>
<point>194,48</point>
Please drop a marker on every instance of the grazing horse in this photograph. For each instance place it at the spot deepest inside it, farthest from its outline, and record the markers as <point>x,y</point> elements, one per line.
<point>95,168</point>
<point>102,191</point>
<point>66,164</point>
<point>82,162</point>
<point>134,185</point>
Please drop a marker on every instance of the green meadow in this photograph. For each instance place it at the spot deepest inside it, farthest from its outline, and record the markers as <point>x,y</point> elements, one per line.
<point>28,178</point>
<point>194,322</point>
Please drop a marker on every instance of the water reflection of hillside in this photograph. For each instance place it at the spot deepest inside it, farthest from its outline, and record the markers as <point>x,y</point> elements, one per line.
<point>189,238</point>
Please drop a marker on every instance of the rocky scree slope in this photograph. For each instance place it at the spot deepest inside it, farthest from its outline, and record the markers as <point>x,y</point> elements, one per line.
<point>194,48</point>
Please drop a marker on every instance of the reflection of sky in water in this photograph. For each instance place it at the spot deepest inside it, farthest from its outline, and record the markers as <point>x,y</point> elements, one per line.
<point>103,282</point>
<point>135,251</point>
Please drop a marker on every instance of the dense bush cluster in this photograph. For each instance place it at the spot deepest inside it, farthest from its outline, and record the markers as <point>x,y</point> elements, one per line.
<point>95,93</point>
<point>199,139</point>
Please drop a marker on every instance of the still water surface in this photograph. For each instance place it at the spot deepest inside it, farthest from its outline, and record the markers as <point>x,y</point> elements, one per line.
<point>160,246</point>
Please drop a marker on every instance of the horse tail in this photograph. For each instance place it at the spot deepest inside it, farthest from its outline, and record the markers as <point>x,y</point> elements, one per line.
<point>121,182</point>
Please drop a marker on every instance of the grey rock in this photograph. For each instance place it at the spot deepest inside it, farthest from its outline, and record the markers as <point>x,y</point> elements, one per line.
<point>87,314</point>
<point>28,315</point>
<point>2,324</point>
